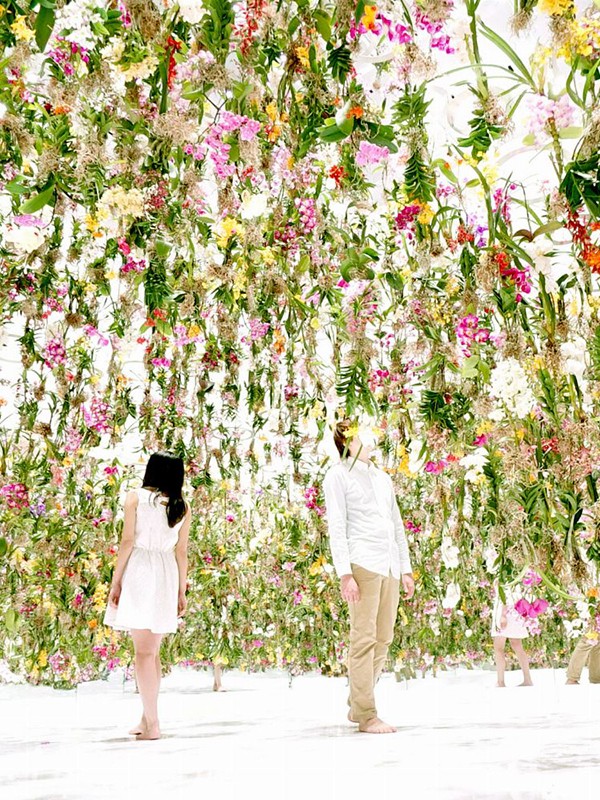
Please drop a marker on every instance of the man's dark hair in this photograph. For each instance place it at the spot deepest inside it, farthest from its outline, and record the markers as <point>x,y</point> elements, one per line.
<point>340,437</point>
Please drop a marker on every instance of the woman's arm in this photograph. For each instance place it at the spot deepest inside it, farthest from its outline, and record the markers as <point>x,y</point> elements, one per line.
<point>125,548</point>
<point>181,556</point>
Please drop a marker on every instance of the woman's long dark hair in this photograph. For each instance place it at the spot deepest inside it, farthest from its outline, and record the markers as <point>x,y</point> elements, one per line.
<point>164,473</point>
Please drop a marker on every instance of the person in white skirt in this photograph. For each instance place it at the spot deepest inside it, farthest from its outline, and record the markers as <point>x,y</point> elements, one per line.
<point>507,623</point>
<point>149,583</point>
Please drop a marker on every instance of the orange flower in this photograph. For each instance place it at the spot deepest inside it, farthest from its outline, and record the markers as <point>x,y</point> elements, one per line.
<point>61,110</point>
<point>92,624</point>
<point>594,592</point>
<point>368,18</point>
<point>591,255</point>
<point>356,112</point>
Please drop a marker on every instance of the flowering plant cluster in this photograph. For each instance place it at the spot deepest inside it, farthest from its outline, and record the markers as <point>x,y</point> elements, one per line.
<point>225,225</point>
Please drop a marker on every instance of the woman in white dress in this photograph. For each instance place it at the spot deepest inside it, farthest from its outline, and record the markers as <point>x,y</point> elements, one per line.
<point>149,582</point>
<point>507,623</point>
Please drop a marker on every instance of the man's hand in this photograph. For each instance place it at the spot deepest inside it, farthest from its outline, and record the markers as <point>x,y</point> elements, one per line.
<point>408,584</point>
<point>350,590</point>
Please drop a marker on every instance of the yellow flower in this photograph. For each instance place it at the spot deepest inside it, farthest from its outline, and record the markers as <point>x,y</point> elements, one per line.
<point>122,202</point>
<point>100,595</point>
<point>426,215</point>
<point>227,228</point>
<point>21,31</point>
<point>193,331</point>
<point>484,427</point>
<point>42,659</point>
<point>91,223</point>
<point>452,285</point>
<point>317,411</point>
<point>302,54</point>
<point>315,324</point>
<point>538,362</point>
<point>142,70</point>
<point>267,255</point>
<point>555,6</point>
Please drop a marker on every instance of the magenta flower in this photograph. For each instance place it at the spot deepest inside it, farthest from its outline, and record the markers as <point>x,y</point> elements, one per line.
<point>532,579</point>
<point>16,495</point>
<point>97,415</point>
<point>369,153</point>
<point>55,353</point>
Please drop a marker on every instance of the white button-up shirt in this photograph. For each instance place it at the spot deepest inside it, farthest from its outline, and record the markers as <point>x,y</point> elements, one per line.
<point>365,526</point>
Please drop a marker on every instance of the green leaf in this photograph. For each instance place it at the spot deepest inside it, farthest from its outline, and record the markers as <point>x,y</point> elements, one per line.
<point>445,170</point>
<point>340,61</point>
<point>419,179</point>
<point>11,620</point>
<point>322,24</point>
<point>162,249</point>
<point>331,133</point>
<point>549,227</point>
<point>3,547</point>
<point>44,24</point>
<point>507,50</point>
<point>38,201</point>
<point>15,187</point>
<point>572,132</point>
<point>469,368</point>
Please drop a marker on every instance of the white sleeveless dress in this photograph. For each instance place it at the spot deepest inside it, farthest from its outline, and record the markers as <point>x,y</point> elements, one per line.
<point>150,584</point>
<point>515,624</point>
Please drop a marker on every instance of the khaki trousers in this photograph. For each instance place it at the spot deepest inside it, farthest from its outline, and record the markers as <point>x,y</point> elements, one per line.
<point>372,622</point>
<point>586,650</point>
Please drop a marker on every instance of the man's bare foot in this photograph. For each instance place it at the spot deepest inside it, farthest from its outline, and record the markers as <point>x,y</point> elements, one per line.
<point>501,685</point>
<point>139,728</point>
<point>375,725</point>
<point>150,733</point>
<point>526,683</point>
<point>571,682</point>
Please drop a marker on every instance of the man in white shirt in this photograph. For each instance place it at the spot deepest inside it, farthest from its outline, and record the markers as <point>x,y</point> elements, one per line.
<point>370,556</point>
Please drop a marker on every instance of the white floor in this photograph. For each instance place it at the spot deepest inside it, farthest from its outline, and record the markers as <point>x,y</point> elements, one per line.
<point>458,738</point>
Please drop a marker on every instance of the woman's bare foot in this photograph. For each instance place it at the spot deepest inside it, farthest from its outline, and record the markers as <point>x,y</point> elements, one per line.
<point>501,685</point>
<point>149,733</point>
<point>526,683</point>
<point>218,688</point>
<point>571,682</point>
<point>139,728</point>
<point>375,725</point>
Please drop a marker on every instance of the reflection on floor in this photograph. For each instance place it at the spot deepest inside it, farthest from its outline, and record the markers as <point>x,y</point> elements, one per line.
<point>459,737</point>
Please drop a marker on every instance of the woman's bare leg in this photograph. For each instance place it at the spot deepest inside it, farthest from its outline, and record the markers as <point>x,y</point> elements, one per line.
<point>147,646</point>
<point>139,728</point>
<point>217,675</point>
<point>517,646</point>
<point>500,658</point>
